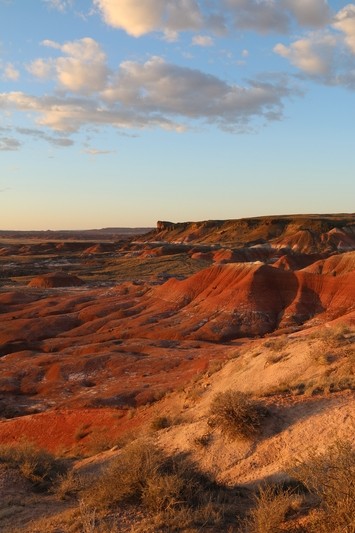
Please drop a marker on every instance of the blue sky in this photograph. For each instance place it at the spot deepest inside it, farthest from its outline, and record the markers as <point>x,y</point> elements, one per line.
<point>123,112</point>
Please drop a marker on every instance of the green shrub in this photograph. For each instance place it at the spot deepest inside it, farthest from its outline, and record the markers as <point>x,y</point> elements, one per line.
<point>237,414</point>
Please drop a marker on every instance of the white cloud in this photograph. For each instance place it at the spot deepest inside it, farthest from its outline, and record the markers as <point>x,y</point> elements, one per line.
<point>10,73</point>
<point>313,55</point>
<point>50,44</point>
<point>326,55</point>
<point>82,68</point>
<point>345,22</point>
<point>202,40</point>
<point>138,17</point>
<point>158,94</point>
<point>41,68</point>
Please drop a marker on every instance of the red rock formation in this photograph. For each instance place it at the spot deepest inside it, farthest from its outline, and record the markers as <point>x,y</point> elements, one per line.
<point>56,279</point>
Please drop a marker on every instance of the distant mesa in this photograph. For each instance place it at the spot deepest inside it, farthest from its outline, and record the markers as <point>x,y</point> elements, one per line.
<point>55,280</point>
<point>301,234</point>
<point>163,225</point>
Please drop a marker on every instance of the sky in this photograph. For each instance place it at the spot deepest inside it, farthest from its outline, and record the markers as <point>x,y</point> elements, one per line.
<point>124,112</point>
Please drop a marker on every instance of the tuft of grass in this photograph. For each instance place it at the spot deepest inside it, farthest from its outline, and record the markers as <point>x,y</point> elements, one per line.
<point>330,476</point>
<point>35,464</point>
<point>160,422</point>
<point>271,509</point>
<point>237,414</point>
<point>202,441</point>
<point>277,345</point>
<point>170,491</point>
<point>68,485</point>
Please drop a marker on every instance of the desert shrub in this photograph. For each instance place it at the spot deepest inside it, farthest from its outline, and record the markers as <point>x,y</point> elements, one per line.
<point>331,477</point>
<point>169,490</point>
<point>160,422</point>
<point>202,441</point>
<point>99,441</point>
<point>269,513</point>
<point>278,344</point>
<point>36,465</point>
<point>142,474</point>
<point>237,414</point>
<point>68,484</point>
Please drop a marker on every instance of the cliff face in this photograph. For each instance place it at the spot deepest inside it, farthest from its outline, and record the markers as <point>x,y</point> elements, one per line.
<point>301,233</point>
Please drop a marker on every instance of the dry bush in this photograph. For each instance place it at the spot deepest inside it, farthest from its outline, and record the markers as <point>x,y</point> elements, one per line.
<point>142,474</point>
<point>332,343</point>
<point>68,485</point>
<point>160,422</point>
<point>169,490</point>
<point>237,414</point>
<point>277,345</point>
<point>99,441</point>
<point>36,465</point>
<point>270,511</point>
<point>331,477</point>
<point>202,441</point>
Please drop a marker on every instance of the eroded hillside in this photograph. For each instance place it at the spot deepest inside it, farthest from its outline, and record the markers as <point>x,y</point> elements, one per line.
<point>109,342</point>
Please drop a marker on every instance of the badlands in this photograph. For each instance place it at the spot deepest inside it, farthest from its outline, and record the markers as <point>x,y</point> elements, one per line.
<point>198,376</point>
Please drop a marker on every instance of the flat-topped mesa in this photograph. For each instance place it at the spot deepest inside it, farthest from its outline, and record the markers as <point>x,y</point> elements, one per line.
<point>297,233</point>
<point>163,225</point>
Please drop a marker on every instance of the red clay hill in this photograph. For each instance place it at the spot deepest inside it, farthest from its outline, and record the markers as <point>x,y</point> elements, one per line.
<point>156,310</point>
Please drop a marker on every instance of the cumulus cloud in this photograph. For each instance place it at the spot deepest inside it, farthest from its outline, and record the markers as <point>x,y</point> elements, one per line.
<point>82,67</point>
<point>263,16</point>
<point>309,13</point>
<point>345,22</point>
<point>10,73</point>
<point>158,94</point>
<point>266,16</point>
<point>41,68</point>
<point>313,55</point>
<point>327,55</point>
<point>138,17</point>
<point>202,40</point>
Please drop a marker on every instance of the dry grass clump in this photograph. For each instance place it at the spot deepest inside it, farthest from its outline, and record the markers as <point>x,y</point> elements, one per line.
<point>142,474</point>
<point>237,414</point>
<point>277,345</point>
<point>169,490</point>
<point>333,343</point>
<point>331,477</point>
<point>36,465</point>
<point>160,422</point>
<point>68,484</point>
<point>271,509</point>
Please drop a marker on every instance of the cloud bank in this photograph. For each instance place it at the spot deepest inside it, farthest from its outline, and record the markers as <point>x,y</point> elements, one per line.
<point>154,93</point>
<point>170,17</point>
